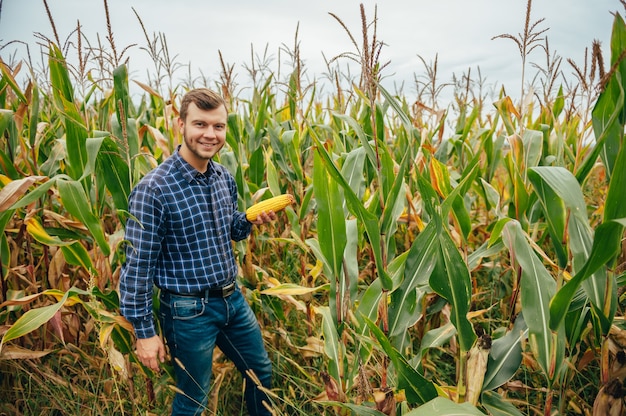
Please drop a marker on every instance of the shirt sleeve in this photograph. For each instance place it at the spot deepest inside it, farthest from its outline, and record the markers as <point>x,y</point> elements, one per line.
<point>241,227</point>
<point>144,236</point>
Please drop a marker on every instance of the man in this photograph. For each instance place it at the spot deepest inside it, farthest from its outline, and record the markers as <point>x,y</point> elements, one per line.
<point>184,218</point>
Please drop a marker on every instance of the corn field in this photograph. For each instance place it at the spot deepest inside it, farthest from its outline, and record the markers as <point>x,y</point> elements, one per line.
<point>465,259</point>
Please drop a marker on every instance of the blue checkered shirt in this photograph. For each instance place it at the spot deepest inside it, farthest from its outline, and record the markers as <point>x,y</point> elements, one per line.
<point>182,237</point>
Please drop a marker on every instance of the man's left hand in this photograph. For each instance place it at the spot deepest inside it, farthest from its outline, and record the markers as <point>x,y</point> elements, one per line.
<point>264,218</point>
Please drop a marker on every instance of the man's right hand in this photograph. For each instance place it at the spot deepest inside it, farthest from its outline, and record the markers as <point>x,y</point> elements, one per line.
<point>151,352</point>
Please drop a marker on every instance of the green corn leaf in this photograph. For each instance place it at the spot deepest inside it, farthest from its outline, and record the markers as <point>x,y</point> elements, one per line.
<point>9,79</point>
<point>451,279</point>
<point>485,250</point>
<point>331,223</point>
<point>75,129</point>
<point>271,175</point>
<point>5,249</point>
<point>442,406</point>
<point>92,145</point>
<point>262,117</point>
<point>386,172</point>
<point>519,195</point>
<point>612,100</point>
<point>608,122</point>
<point>605,118</point>
<point>332,346</point>
<point>564,184</point>
<point>553,206</point>
<point>350,277</point>
<point>6,164</point>
<point>454,199</point>
<point>355,408</point>
<point>331,229</point>
<point>562,198</point>
<point>280,155</point>
<point>505,355</point>
<point>8,129</point>
<point>370,299</point>
<point>59,76</point>
<point>608,113</point>
<point>115,172</point>
<point>401,320</point>
<point>498,406</point>
<point>292,146</point>
<point>603,250</point>
<point>75,201</point>
<point>256,170</point>
<point>122,97</point>
<point>537,288</point>
<point>404,118</point>
<point>355,206</point>
<point>435,338</point>
<point>394,202</point>
<point>420,263</point>
<point>417,389</point>
<point>369,304</point>
<point>533,145</point>
<point>358,130</point>
<point>614,206</point>
<point>450,276</point>
<point>34,318</point>
<point>110,299</point>
<point>352,170</point>
<point>559,103</point>
<point>77,255</point>
<point>234,135</point>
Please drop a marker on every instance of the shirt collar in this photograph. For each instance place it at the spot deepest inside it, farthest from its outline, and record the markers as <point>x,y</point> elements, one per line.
<point>189,172</point>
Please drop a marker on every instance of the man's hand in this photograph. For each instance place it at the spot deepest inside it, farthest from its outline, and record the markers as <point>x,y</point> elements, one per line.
<point>151,352</point>
<point>264,218</point>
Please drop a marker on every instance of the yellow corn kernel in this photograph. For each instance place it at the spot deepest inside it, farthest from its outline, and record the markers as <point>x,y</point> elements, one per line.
<point>272,204</point>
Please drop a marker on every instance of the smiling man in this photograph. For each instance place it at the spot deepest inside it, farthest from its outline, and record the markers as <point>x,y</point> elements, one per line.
<point>184,217</point>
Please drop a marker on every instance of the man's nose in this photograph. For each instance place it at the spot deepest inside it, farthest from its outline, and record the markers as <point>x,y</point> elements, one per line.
<point>210,131</point>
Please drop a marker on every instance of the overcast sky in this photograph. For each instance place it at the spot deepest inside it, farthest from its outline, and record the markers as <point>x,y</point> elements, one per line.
<point>460,32</point>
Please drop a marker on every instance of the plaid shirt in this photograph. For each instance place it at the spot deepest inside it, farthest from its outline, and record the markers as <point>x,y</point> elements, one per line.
<point>182,238</point>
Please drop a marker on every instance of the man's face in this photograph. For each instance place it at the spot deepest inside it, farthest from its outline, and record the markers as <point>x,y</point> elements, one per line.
<point>204,134</point>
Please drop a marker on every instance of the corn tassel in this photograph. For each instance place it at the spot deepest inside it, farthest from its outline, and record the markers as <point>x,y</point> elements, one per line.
<point>275,204</point>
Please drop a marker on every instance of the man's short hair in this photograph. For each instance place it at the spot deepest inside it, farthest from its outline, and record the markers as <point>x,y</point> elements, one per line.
<point>203,98</point>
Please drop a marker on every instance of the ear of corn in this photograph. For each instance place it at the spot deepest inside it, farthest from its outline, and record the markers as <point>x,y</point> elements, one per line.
<point>476,368</point>
<point>610,399</point>
<point>275,204</point>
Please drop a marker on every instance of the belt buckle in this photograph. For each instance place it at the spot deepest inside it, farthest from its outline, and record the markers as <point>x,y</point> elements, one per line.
<point>228,290</point>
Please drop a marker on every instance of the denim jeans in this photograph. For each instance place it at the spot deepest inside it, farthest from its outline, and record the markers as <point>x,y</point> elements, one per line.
<point>193,327</point>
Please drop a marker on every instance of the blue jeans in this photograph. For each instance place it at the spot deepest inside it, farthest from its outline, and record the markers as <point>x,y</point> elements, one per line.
<point>193,327</point>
